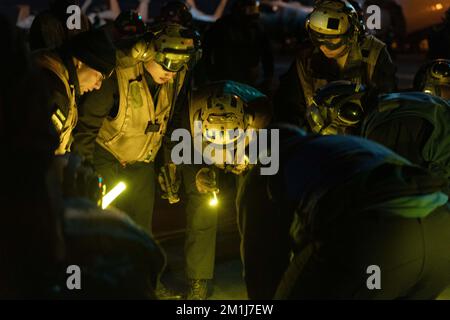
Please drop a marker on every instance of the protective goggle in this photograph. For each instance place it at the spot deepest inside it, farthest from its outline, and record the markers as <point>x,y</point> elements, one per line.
<point>349,112</point>
<point>319,39</point>
<point>225,118</point>
<point>172,62</point>
<point>223,128</point>
<point>438,80</point>
<point>222,137</point>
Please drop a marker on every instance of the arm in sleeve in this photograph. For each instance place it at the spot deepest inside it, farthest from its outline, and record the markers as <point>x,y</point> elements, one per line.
<point>58,102</point>
<point>94,108</point>
<point>179,119</point>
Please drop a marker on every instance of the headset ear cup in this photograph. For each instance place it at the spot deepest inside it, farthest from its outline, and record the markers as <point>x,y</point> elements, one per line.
<point>142,51</point>
<point>137,51</point>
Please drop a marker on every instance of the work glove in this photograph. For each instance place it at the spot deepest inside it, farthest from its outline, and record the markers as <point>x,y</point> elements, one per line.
<point>169,182</point>
<point>205,181</point>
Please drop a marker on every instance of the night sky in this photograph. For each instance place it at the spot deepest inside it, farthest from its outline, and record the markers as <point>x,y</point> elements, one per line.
<point>9,6</point>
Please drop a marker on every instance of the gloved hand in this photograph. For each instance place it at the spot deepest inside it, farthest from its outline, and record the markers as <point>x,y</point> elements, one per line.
<point>236,169</point>
<point>205,180</point>
<point>170,182</point>
<point>239,168</point>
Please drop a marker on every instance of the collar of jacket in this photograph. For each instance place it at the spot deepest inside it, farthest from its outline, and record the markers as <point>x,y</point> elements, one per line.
<point>324,68</point>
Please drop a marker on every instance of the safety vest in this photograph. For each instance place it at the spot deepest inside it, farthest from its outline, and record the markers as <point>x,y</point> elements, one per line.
<point>367,52</point>
<point>64,123</point>
<point>135,134</point>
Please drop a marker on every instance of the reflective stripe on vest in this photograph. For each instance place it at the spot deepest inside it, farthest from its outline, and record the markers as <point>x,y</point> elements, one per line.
<point>64,124</point>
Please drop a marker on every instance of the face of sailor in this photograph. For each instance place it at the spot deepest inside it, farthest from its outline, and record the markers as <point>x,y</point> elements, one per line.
<point>159,75</point>
<point>333,54</point>
<point>88,78</point>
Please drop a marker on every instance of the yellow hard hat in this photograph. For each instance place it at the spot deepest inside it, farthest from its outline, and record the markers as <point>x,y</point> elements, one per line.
<point>333,18</point>
<point>175,45</point>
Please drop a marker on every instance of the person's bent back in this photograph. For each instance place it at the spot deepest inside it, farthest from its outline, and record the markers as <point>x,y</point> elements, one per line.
<point>345,209</point>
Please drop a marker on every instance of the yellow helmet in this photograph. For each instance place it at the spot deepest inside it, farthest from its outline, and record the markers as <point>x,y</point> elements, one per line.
<point>220,106</point>
<point>175,45</point>
<point>226,109</point>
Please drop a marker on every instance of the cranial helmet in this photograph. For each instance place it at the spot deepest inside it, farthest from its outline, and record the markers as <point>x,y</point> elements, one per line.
<point>332,19</point>
<point>434,78</point>
<point>175,45</point>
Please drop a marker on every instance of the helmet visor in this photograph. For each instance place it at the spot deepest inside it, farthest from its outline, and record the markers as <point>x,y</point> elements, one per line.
<point>441,72</point>
<point>222,129</point>
<point>331,42</point>
<point>172,62</point>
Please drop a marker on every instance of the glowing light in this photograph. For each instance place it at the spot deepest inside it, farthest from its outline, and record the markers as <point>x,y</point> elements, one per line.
<point>113,194</point>
<point>214,201</point>
<point>439,6</point>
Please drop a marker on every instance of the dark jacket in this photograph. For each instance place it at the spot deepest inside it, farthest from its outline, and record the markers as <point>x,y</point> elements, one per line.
<point>415,125</point>
<point>61,80</point>
<point>338,179</point>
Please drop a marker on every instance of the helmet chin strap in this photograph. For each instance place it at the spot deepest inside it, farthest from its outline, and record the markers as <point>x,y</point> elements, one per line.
<point>345,52</point>
<point>349,42</point>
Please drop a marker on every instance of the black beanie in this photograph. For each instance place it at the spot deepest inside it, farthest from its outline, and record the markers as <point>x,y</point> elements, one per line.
<point>94,48</point>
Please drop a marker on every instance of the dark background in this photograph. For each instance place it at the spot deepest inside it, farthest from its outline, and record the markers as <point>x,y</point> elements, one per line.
<point>9,6</point>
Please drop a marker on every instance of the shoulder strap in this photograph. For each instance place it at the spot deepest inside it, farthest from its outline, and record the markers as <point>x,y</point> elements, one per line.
<point>371,49</point>
<point>308,90</point>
